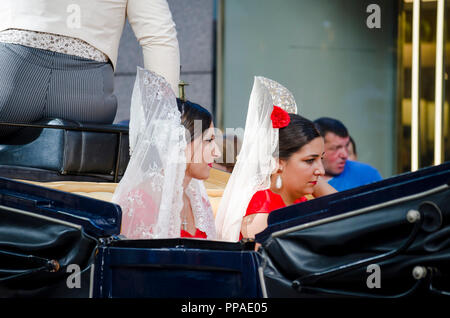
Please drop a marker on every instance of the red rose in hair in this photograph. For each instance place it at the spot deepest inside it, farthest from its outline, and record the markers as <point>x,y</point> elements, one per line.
<point>280,118</point>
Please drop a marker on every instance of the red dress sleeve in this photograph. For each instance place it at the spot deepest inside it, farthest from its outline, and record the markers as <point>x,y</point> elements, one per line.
<point>266,201</point>
<point>259,203</point>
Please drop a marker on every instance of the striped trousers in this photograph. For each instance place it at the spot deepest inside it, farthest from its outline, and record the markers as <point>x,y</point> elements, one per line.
<point>36,84</point>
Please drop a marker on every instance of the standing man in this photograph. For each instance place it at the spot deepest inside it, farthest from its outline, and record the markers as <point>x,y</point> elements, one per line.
<point>340,172</point>
<point>57,57</point>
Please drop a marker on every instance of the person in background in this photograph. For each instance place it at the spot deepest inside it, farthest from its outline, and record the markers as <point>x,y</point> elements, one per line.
<point>231,145</point>
<point>57,57</point>
<point>352,154</point>
<point>340,172</point>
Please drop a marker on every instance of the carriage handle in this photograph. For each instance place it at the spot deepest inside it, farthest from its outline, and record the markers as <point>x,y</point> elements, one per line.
<point>48,265</point>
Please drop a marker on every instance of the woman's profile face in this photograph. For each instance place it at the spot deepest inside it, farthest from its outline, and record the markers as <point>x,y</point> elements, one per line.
<point>302,170</point>
<point>201,153</point>
<point>351,152</point>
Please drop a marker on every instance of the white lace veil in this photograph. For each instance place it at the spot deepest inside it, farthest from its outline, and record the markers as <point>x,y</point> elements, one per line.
<point>151,190</point>
<point>257,159</point>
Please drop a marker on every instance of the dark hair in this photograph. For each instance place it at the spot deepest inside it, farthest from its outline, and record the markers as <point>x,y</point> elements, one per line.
<point>354,145</point>
<point>190,112</point>
<point>294,136</point>
<point>230,144</point>
<point>327,124</point>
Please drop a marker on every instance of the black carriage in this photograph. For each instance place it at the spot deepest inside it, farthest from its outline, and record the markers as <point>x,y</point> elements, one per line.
<point>386,239</point>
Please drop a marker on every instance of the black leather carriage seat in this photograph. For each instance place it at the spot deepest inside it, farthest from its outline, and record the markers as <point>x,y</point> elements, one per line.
<point>49,154</point>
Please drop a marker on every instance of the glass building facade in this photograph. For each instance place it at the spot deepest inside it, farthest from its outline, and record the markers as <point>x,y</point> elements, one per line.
<point>347,59</point>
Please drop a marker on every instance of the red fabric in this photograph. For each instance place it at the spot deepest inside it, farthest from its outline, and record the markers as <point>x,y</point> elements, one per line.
<point>280,118</point>
<point>265,201</point>
<point>198,234</point>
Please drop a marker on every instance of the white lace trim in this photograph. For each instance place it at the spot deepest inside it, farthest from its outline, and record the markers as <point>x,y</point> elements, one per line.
<point>201,208</point>
<point>53,42</point>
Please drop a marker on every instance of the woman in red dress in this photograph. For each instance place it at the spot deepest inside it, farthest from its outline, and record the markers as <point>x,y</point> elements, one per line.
<point>280,162</point>
<point>301,149</point>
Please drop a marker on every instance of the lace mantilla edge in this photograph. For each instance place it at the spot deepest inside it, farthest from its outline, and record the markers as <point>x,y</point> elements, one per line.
<point>201,208</point>
<point>281,96</point>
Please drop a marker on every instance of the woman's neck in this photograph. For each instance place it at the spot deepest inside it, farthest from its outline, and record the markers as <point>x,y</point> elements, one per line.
<point>288,199</point>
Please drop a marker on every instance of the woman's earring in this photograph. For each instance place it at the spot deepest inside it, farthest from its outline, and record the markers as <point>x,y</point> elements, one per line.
<point>278,182</point>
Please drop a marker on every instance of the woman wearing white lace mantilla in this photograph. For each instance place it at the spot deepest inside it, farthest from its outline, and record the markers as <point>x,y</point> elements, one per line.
<point>162,194</point>
<point>279,163</point>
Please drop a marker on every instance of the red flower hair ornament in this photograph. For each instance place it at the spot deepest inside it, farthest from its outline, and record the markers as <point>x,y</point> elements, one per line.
<point>280,118</point>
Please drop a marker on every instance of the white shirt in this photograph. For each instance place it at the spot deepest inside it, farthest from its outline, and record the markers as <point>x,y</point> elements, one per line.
<point>100,23</point>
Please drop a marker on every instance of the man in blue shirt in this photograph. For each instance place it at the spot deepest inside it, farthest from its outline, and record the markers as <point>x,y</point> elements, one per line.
<point>340,172</point>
